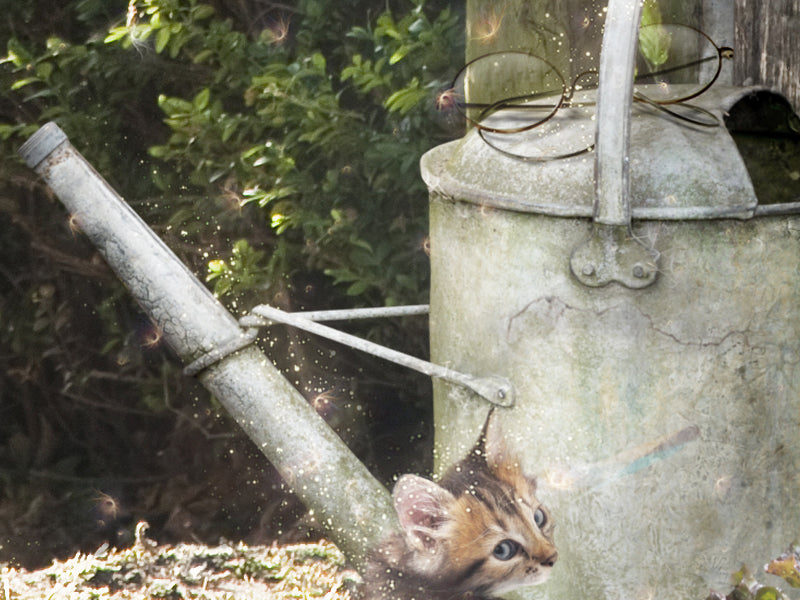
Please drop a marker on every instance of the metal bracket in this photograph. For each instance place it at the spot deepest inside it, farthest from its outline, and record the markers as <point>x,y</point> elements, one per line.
<point>494,389</point>
<point>612,254</point>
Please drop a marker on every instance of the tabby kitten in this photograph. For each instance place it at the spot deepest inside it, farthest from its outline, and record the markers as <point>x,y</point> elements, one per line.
<point>480,531</point>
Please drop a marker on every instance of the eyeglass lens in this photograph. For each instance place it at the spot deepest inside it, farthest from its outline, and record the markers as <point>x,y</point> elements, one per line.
<point>509,78</point>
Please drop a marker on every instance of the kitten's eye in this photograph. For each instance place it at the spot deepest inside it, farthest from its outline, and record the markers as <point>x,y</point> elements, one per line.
<point>505,550</point>
<point>539,518</point>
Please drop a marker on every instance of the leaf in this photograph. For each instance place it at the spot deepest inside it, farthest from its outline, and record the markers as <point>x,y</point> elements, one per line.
<point>162,39</point>
<point>174,106</point>
<point>215,176</point>
<point>6,131</point>
<point>158,151</point>
<point>18,55</point>
<point>202,56</point>
<point>655,44</point>
<point>44,70</point>
<point>21,83</point>
<point>387,27</point>
<point>228,130</point>
<point>399,54</point>
<point>358,288</point>
<point>341,275</point>
<point>407,98</point>
<point>359,33</point>
<point>650,13</point>
<point>116,34</point>
<point>787,567</point>
<point>202,11</point>
<point>418,26</point>
<point>200,101</point>
<point>176,42</point>
<point>318,60</point>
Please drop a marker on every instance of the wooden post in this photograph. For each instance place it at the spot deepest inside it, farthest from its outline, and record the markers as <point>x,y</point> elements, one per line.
<point>546,28</point>
<point>718,23</point>
<point>568,32</point>
<point>766,44</point>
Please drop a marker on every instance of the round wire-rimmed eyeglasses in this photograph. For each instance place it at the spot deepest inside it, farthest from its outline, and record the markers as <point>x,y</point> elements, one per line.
<point>523,107</point>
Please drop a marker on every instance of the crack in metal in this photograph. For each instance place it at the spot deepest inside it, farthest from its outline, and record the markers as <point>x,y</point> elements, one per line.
<point>550,299</point>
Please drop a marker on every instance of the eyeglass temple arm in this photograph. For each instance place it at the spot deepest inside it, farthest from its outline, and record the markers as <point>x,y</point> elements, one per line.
<point>724,52</point>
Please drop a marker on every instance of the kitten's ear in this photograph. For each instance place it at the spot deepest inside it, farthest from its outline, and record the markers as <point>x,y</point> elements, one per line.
<point>491,444</point>
<point>422,507</point>
<point>498,458</point>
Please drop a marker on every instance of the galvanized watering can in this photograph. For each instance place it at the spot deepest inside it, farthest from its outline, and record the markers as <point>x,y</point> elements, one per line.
<point>646,308</point>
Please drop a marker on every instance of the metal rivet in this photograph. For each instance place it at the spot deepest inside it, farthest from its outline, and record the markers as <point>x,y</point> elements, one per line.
<point>588,269</point>
<point>639,271</point>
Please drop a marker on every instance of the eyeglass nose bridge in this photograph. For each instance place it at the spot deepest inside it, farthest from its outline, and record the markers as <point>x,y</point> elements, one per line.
<point>612,253</point>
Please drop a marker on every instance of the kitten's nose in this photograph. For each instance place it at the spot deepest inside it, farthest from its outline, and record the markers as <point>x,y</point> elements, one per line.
<point>550,560</point>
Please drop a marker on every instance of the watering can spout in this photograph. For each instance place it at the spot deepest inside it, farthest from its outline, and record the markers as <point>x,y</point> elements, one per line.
<point>352,505</point>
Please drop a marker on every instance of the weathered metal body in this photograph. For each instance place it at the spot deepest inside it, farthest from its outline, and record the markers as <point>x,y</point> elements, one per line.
<point>646,310</point>
<point>662,420</point>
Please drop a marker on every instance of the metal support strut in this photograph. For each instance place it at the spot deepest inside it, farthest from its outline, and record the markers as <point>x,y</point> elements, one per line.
<point>494,389</point>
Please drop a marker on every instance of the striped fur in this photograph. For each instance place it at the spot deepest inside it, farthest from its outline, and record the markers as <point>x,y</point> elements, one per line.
<point>480,531</point>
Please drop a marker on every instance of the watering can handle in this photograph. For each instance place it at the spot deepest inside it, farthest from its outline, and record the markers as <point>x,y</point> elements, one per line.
<point>614,101</point>
<point>611,253</point>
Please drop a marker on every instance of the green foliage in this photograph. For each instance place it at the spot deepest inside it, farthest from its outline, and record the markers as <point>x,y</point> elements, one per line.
<point>401,42</point>
<point>747,587</point>
<point>654,41</point>
<point>242,270</point>
<point>258,149</point>
<point>325,146</point>
<point>325,142</point>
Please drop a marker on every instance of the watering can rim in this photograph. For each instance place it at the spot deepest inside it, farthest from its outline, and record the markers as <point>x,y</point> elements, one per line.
<point>468,170</point>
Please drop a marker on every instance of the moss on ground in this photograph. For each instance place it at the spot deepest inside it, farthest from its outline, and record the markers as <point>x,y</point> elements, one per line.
<point>189,571</point>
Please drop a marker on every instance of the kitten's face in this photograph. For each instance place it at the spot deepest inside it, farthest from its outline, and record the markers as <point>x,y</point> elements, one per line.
<point>502,539</point>
<point>481,529</point>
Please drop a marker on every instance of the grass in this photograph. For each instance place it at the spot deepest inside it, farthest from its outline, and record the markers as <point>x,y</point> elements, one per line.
<point>189,571</point>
